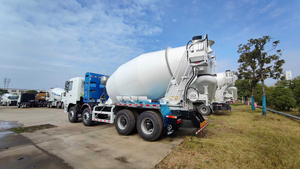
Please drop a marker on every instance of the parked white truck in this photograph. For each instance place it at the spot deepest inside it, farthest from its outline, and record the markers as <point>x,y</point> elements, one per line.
<point>9,100</point>
<point>151,93</point>
<point>226,92</point>
<point>55,98</point>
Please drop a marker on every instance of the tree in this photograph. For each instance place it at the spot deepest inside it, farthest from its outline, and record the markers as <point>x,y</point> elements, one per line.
<point>2,91</point>
<point>243,89</point>
<point>295,86</point>
<point>32,91</point>
<point>283,98</point>
<point>258,94</point>
<point>257,65</point>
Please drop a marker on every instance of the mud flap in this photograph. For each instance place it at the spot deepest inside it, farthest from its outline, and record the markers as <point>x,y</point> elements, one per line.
<point>221,106</point>
<point>198,120</point>
<point>174,121</point>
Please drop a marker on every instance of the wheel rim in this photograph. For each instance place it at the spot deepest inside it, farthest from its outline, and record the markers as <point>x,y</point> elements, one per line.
<point>147,126</point>
<point>203,109</point>
<point>71,113</point>
<point>86,117</point>
<point>122,122</point>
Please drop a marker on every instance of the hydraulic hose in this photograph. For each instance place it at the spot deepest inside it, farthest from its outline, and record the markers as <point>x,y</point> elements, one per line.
<point>189,83</point>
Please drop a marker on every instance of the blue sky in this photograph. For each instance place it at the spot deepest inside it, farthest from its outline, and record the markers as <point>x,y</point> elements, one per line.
<point>44,43</point>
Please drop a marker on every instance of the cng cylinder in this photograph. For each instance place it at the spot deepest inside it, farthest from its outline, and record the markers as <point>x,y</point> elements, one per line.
<point>146,75</point>
<point>56,93</point>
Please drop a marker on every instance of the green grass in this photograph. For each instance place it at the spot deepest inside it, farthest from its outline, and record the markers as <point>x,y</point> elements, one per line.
<point>240,139</point>
<point>32,128</point>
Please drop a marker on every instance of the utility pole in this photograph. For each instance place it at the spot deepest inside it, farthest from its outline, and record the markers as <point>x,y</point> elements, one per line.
<point>4,81</point>
<point>8,81</point>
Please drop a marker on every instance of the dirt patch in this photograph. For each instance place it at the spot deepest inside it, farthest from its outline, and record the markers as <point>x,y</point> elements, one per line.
<point>205,134</point>
<point>122,159</point>
<point>31,129</point>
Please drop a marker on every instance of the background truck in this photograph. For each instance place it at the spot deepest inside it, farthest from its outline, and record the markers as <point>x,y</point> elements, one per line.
<point>151,93</point>
<point>9,100</point>
<point>26,100</point>
<point>226,92</point>
<point>40,99</point>
<point>55,98</point>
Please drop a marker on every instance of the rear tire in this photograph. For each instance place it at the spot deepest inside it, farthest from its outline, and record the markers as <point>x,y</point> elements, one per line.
<point>72,115</point>
<point>204,110</point>
<point>150,125</point>
<point>125,122</point>
<point>87,117</point>
<point>62,105</point>
<point>58,105</point>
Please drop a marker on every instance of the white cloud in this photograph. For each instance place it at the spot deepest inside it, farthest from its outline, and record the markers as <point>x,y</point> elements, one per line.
<point>268,7</point>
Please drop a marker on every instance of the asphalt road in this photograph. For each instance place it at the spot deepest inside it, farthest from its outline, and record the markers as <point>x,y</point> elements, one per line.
<point>72,145</point>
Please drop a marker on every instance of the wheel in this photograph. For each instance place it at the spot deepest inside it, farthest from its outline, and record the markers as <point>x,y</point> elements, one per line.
<point>19,105</point>
<point>150,125</point>
<point>125,122</point>
<point>62,106</point>
<point>204,110</point>
<point>87,117</point>
<point>72,115</point>
<point>58,105</point>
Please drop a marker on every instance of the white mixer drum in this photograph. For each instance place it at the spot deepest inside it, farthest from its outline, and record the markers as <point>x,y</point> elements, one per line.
<point>55,93</point>
<point>146,75</point>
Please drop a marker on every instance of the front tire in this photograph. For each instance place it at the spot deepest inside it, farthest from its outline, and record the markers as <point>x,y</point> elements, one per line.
<point>87,117</point>
<point>72,115</point>
<point>204,110</point>
<point>150,125</point>
<point>125,122</point>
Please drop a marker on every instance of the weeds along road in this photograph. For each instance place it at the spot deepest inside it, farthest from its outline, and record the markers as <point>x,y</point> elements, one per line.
<point>74,145</point>
<point>241,139</point>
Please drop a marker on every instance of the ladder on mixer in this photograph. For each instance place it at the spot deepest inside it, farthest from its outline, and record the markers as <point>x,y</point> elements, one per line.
<point>175,90</point>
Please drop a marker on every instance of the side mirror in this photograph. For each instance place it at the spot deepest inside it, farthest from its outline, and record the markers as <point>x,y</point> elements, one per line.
<point>67,86</point>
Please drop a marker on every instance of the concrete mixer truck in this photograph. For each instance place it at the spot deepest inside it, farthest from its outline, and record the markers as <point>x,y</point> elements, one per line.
<point>55,98</point>
<point>226,92</point>
<point>9,100</point>
<point>151,93</point>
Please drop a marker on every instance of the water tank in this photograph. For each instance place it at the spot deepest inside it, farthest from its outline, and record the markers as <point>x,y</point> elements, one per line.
<point>221,78</point>
<point>55,93</point>
<point>146,75</point>
<point>233,90</point>
<point>210,82</point>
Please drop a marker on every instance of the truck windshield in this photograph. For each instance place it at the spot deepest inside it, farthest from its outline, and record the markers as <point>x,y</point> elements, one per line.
<point>13,97</point>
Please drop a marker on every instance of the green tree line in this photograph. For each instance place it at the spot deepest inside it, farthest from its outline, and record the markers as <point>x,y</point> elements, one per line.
<point>284,95</point>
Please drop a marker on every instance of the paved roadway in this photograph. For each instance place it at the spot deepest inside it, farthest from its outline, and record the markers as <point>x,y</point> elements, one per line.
<point>74,145</point>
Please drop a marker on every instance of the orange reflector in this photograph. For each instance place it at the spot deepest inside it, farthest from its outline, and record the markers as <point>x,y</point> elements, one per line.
<point>203,123</point>
<point>173,117</point>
